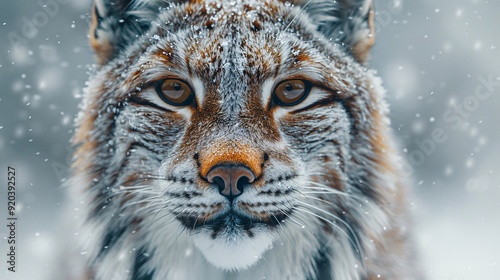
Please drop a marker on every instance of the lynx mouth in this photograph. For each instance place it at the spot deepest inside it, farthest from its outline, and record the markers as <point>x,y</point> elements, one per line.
<point>233,220</point>
<point>233,240</point>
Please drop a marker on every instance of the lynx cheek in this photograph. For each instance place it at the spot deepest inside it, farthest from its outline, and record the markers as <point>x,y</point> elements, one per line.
<point>235,139</point>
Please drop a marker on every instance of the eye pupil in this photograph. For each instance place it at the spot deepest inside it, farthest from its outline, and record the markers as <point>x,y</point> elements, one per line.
<point>288,87</point>
<point>177,87</point>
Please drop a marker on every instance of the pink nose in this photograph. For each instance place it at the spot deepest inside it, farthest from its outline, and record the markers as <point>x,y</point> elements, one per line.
<point>231,179</point>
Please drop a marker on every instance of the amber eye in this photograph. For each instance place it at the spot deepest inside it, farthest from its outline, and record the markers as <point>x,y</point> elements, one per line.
<point>174,92</point>
<point>291,92</point>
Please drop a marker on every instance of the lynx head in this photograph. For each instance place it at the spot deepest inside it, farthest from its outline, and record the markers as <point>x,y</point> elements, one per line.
<point>231,124</point>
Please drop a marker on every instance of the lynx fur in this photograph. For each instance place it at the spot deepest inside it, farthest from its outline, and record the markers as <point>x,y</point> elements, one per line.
<point>324,195</point>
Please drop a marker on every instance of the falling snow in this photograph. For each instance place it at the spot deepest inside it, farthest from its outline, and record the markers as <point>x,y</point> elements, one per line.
<point>439,63</point>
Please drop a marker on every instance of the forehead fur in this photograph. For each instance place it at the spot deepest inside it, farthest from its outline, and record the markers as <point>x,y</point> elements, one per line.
<point>233,44</point>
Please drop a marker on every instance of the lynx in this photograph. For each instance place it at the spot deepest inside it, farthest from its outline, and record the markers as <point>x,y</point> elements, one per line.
<point>242,139</point>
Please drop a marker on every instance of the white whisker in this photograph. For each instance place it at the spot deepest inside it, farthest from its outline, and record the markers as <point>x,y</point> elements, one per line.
<point>336,218</point>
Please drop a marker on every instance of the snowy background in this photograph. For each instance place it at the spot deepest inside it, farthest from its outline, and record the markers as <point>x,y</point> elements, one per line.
<point>440,61</point>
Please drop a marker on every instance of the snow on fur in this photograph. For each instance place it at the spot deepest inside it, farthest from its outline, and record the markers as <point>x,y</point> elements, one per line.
<point>330,202</point>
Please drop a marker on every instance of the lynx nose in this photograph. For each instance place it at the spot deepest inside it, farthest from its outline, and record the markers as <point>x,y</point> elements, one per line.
<point>230,179</point>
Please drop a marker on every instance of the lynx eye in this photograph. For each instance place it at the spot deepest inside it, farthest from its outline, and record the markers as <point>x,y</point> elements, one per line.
<point>291,92</point>
<point>174,92</point>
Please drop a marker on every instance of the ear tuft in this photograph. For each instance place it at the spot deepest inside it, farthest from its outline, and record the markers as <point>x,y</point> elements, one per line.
<point>117,23</point>
<point>349,22</point>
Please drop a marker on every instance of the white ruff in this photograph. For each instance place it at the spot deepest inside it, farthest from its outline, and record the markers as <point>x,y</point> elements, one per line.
<point>329,201</point>
<point>232,253</point>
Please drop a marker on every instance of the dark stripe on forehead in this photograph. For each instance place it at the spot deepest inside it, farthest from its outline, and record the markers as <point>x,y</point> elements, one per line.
<point>233,83</point>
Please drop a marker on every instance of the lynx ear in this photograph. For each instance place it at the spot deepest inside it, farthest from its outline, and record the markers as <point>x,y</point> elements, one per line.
<point>117,23</point>
<point>349,22</point>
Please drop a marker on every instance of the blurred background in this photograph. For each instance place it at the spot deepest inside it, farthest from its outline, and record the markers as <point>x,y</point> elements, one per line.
<point>440,62</point>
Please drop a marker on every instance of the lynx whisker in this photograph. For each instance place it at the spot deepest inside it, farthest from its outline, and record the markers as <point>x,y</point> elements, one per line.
<point>295,17</point>
<point>231,126</point>
<point>312,207</point>
<point>332,223</point>
<point>325,190</point>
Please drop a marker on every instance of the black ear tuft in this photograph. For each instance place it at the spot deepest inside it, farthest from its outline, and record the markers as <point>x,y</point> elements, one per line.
<point>117,23</point>
<point>348,22</point>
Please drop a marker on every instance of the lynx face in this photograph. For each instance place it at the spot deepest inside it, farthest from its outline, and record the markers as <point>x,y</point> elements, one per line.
<point>238,127</point>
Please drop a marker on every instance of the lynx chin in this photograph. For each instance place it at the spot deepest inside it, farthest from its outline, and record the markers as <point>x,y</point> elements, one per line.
<point>241,140</point>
